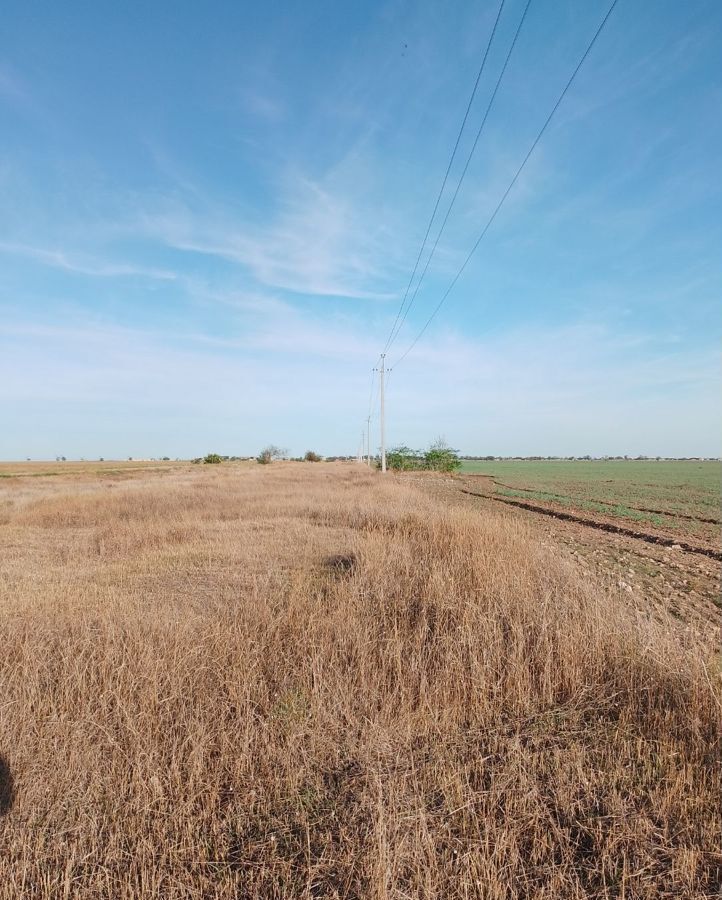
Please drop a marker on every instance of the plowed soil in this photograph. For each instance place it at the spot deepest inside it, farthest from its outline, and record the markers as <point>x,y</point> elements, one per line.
<point>663,571</point>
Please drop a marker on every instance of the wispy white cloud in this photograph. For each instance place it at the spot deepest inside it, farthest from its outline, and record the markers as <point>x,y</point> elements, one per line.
<point>262,105</point>
<point>319,243</point>
<point>59,259</point>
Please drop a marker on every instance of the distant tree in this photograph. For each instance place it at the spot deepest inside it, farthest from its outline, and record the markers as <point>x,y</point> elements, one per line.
<point>310,456</point>
<point>212,459</point>
<point>166,459</point>
<point>403,459</point>
<point>269,453</point>
<point>440,457</point>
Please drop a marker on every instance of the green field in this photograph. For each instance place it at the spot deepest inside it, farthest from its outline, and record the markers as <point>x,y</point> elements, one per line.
<point>631,487</point>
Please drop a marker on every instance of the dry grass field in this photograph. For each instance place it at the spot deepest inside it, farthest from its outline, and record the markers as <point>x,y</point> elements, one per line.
<point>309,681</point>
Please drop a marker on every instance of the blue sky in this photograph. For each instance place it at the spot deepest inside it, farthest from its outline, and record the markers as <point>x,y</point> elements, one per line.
<point>209,214</point>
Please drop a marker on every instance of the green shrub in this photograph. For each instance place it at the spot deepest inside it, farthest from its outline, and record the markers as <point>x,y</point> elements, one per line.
<point>441,458</point>
<point>211,459</point>
<point>310,456</point>
<point>438,458</point>
<point>404,459</point>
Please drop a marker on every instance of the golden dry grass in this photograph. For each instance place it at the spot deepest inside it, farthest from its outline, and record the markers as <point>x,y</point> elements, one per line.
<point>307,681</point>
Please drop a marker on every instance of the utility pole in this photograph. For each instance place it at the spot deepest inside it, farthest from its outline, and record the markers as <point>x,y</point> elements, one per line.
<point>368,442</point>
<point>383,415</point>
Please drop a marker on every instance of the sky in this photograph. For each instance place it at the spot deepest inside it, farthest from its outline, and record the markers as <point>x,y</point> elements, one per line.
<point>209,214</point>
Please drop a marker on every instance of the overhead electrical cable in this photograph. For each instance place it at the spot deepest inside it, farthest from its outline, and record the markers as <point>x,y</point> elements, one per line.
<point>511,185</point>
<point>446,175</point>
<point>461,177</point>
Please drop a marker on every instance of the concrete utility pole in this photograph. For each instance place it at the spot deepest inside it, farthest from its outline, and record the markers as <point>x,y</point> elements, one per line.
<point>368,441</point>
<point>383,414</point>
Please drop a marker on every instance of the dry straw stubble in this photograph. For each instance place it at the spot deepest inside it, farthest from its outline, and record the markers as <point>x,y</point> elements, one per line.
<point>306,681</point>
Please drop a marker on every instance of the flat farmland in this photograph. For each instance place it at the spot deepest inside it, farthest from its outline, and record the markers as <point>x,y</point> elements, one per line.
<point>94,468</point>
<point>650,528</point>
<point>680,498</point>
<point>311,680</point>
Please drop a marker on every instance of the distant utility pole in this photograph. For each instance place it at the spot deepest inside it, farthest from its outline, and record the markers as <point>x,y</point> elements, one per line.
<point>383,413</point>
<point>368,441</point>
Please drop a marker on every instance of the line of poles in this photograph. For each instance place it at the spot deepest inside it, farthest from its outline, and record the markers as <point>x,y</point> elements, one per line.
<point>366,433</point>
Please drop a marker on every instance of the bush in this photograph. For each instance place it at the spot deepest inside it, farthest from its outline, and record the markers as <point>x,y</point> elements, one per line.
<point>269,453</point>
<point>438,458</point>
<point>212,459</point>
<point>441,458</point>
<point>310,456</point>
<point>404,459</point>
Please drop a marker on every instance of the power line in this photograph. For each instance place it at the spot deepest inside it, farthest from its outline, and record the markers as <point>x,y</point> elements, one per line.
<point>436,205</point>
<point>463,174</point>
<point>511,184</point>
<point>446,175</point>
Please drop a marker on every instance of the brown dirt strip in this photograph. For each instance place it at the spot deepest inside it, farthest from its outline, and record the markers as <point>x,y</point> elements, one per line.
<point>664,512</point>
<point>601,526</point>
<point>660,512</point>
